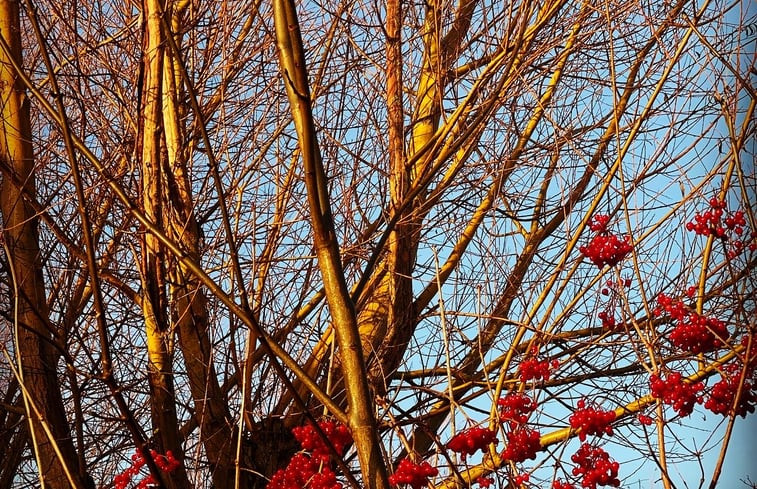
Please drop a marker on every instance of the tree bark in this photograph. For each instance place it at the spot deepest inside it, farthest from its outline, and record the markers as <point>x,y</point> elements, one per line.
<point>37,341</point>
<point>160,336</point>
<point>188,302</point>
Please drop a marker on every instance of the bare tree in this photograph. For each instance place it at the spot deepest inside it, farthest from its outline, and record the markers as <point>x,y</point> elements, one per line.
<point>225,220</point>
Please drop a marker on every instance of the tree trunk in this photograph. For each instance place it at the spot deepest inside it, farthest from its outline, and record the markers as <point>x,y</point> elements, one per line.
<point>160,336</point>
<point>37,341</point>
<point>188,303</point>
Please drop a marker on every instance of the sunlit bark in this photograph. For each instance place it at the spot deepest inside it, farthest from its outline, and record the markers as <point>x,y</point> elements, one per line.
<point>160,333</point>
<point>37,340</point>
<point>188,301</point>
<point>223,220</point>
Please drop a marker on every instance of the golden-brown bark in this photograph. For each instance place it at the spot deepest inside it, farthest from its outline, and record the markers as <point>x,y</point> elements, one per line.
<point>360,402</point>
<point>37,340</point>
<point>160,335</point>
<point>188,302</point>
<point>386,317</point>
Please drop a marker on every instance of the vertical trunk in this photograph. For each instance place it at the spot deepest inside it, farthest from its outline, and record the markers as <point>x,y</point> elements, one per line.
<point>153,258</point>
<point>37,341</point>
<point>188,301</point>
<point>359,399</point>
<point>386,319</point>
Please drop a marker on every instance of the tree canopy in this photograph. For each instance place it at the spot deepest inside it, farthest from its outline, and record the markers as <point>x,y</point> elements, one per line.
<point>386,244</point>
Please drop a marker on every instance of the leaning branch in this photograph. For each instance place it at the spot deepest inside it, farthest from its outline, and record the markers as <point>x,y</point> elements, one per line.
<point>360,415</point>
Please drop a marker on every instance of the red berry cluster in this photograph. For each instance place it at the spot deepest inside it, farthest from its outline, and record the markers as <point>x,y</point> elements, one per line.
<point>313,471</point>
<point>304,472</point>
<point>515,408</point>
<point>608,321</point>
<point>521,479</point>
<point>599,223</point>
<point>645,420</point>
<point>692,333</point>
<point>484,481</point>
<point>737,246</point>
<point>415,475</point>
<point>591,420</point>
<point>558,484</point>
<point>719,222</point>
<point>676,309</point>
<point>338,435</point>
<point>675,391</point>
<point>605,248</point>
<point>167,463</point>
<point>612,288</point>
<point>699,334</point>
<point>594,464</point>
<point>472,440</point>
<point>723,393</point>
<point>534,369</point>
<point>522,444</point>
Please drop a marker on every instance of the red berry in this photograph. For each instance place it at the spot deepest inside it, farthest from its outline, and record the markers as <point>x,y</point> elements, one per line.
<point>470,441</point>
<point>522,444</point>
<point>676,391</point>
<point>591,421</point>
<point>415,475</point>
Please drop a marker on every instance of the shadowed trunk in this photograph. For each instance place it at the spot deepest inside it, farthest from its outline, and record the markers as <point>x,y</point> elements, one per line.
<point>37,343</point>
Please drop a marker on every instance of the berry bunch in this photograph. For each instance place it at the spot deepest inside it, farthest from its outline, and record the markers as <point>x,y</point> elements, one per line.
<point>599,223</point>
<point>522,444</point>
<point>415,475</point>
<point>719,222</point>
<point>338,435</point>
<point>591,420</point>
<point>594,464</point>
<point>608,321</point>
<point>699,334</point>
<point>645,420</point>
<point>515,408</point>
<point>484,481</point>
<point>534,369</point>
<point>521,479</point>
<point>612,288</point>
<point>313,471</point>
<point>692,333</point>
<point>737,246</point>
<point>724,392</point>
<point>472,440</point>
<point>558,484</point>
<point>675,391</point>
<point>605,248</point>
<point>304,472</point>
<point>675,309</point>
<point>716,220</point>
<point>167,463</point>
